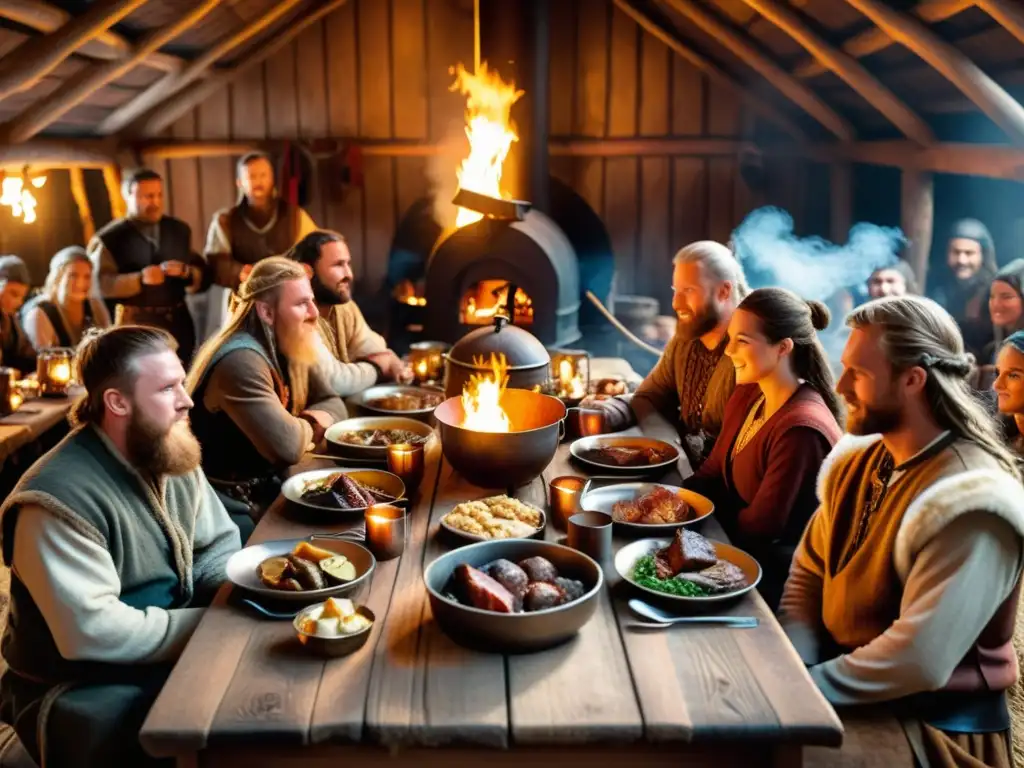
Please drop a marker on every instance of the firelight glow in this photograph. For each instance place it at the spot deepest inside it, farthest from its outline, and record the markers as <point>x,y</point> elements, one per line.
<point>490,131</point>
<point>481,398</point>
<point>19,198</point>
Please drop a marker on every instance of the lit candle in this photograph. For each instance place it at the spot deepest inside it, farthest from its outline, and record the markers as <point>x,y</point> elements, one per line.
<point>591,422</point>
<point>406,461</point>
<point>53,368</point>
<point>16,400</point>
<point>61,373</point>
<point>565,499</point>
<point>385,531</point>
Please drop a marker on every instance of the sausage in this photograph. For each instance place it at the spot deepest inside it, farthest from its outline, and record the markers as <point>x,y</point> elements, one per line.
<point>511,577</point>
<point>541,595</point>
<point>351,494</point>
<point>539,569</point>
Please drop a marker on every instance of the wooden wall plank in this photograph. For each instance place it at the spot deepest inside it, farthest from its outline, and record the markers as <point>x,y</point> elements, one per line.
<point>249,106</point>
<point>655,252</point>
<point>689,201</point>
<point>311,88</point>
<point>216,174</point>
<point>621,173</point>
<point>591,106</point>
<point>721,198</point>
<point>409,69</point>
<point>282,99</point>
<point>562,82</point>
<point>184,175</point>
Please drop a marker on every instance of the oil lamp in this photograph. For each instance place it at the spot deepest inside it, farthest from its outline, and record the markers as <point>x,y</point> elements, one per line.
<point>570,373</point>
<point>427,360</point>
<point>53,369</point>
<point>10,397</point>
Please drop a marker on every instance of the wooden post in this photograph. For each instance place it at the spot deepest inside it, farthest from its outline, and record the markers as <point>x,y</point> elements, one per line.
<point>82,202</point>
<point>112,180</point>
<point>917,214</point>
<point>841,199</point>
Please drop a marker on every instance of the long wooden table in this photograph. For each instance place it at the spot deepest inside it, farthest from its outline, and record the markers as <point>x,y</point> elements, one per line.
<point>244,693</point>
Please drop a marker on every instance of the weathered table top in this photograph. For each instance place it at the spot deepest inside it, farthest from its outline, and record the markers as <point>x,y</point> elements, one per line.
<point>31,420</point>
<point>244,689</point>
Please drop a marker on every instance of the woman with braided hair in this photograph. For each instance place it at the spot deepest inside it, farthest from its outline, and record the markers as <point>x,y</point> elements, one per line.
<point>780,423</point>
<point>260,403</point>
<point>904,587</point>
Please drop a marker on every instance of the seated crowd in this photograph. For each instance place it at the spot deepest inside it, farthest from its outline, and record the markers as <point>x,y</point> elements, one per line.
<point>892,553</point>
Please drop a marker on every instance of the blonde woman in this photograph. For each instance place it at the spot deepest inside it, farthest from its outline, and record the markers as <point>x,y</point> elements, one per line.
<point>68,305</point>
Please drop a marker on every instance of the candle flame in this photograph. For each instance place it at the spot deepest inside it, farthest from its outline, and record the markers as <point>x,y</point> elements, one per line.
<point>481,397</point>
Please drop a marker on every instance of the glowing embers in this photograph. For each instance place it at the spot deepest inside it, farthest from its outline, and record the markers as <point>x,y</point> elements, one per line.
<point>488,298</point>
<point>481,397</point>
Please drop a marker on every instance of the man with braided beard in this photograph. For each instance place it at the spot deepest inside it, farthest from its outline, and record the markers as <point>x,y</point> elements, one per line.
<point>904,588</point>
<point>260,403</point>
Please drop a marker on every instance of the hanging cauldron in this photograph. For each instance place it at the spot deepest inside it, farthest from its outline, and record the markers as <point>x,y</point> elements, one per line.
<point>527,358</point>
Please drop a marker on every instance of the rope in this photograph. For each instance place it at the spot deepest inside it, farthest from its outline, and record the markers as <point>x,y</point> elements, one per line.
<point>624,330</point>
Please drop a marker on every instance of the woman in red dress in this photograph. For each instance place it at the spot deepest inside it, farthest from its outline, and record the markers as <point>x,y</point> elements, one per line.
<point>781,421</point>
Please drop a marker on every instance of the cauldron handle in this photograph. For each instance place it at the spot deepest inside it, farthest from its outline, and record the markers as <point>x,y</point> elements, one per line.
<point>561,429</point>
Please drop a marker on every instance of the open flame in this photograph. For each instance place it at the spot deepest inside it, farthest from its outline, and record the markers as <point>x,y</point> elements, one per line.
<point>490,132</point>
<point>16,195</point>
<point>570,382</point>
<point>481,397</point>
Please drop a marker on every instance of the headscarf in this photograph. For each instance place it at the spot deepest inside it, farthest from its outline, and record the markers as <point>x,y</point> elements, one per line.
<point>906,272</point>
<point>266,276</point>
<point>1013,275</point>
<point>972,229</point>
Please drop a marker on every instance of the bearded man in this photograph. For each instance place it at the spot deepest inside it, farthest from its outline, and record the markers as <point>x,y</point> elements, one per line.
<point>260,402</point>
<point>350,355</point>
<point>146,264</point>
<point>904,588</point>
<point>114,540</point>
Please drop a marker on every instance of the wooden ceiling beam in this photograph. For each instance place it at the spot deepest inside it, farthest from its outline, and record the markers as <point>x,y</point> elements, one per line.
<point>46,18</point>
<point>874,40</point>
<point>122,117</point>
<point>58,153</point>
<point>743,47</point>
<point>173,108</point>
<point>661,30</point>
<point>34,59</point>
<point>80,86</point>
<point>847,68</point>
<point>1009,14</point>
<point>950,62</point>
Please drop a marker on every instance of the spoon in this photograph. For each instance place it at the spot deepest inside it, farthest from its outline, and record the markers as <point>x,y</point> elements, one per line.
<point>269,614</point>
<point>662,619</point>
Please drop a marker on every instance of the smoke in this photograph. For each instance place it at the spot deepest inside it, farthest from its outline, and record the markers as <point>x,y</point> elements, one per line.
<point>440,172</point>
<point>811,267</point>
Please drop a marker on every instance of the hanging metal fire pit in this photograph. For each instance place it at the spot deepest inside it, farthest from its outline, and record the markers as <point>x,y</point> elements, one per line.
<point>503,459</point>
<point>527,358</point>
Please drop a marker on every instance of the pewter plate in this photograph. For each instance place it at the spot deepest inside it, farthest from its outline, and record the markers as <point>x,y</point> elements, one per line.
<point>366,398</point>
<point>627,557</point>
<point>296,485</point>
<point>580,448</point>
<point>370,423</point>
<point>603,499</point>
<point>242,569</point>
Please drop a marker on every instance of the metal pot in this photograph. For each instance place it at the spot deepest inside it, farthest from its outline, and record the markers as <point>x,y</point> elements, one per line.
<point>527,358</point>
<point>503,459</point>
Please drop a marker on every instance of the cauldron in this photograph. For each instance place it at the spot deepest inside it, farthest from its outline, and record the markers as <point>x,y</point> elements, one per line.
<point>503,459</point>
<point>528,360</point>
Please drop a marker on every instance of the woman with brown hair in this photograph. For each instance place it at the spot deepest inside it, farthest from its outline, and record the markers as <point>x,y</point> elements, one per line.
<point>68,305</point>
<point>780,423</point>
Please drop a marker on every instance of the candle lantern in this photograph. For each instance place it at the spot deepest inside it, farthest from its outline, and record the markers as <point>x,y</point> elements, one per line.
<point>427,360</point>
<point>28,388</point>
<point>406,461</point>
<point>570,374</point>
<point>53,369</point>
<point>10,397</point>
<point>385,530</point>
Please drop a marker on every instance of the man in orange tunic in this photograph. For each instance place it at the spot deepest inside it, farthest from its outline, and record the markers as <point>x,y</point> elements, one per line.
<point>904,588</point>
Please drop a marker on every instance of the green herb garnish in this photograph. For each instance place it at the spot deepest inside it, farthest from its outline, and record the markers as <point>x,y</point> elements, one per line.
<point>645,575</point>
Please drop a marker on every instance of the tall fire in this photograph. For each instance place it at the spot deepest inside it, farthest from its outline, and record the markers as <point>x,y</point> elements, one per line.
<point>481,397</point>
<point>490,131</point>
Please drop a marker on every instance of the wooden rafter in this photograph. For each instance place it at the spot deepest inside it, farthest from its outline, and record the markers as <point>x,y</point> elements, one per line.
<point>35,58</point>
<point>1008,13</point>
<point>174,108</point>
<point>950,62</point>
<point>847,68</point>
<point>46,18</point>
<point>874,40</point>
<point>58,153</point>
<point>661,30</point>
<point>171,84</point>
<point>741,46</point>
<point>80,86</point>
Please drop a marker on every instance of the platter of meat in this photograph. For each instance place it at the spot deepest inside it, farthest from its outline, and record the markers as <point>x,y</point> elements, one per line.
<point>688,568</point>
<point>300,570</point>
<point>344,491</point>
<point>398,400</point>
<point>368,437</point>
<point>650,507</point>
<point>625,455</point>
<point>512,595</point>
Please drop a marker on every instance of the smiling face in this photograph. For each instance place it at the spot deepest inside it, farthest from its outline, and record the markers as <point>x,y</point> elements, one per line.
<point>12,296</point>
<point>964,257</point>
<point>334,270</point>
<point>145,200</point>
<point>870,387</point>
<point>293,318</point>
<point>1005,305</point>
<point>698,299</point>
<point>886,282</point>
<point>77,281</point>
<point>753,355</point>
<point>1009,383</point>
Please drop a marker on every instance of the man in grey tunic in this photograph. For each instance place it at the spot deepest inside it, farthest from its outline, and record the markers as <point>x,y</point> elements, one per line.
<point>115,541</point>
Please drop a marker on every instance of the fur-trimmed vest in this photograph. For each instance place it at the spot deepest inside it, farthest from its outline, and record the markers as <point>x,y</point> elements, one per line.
<point>148,532</point>
<point>861,598</point>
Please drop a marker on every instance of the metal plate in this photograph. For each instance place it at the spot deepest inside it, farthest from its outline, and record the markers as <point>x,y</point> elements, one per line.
<point>604,498</point>
<point>294,486</point>
<point>478,537</point>
<point>242,568</point>
<point>626,558</point>
<point>579,449</point>
<point>378,452</point>
<point>366,398</point>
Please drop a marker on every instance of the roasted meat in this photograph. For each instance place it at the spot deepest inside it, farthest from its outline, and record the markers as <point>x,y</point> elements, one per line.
<point>573,589</point>
<point>655,508</point>
<point>625,456</point>
<point>539,569</point>
<point>352,495</point>
<point>479,590</point>
<point>723,576</point>
<point>541,595</point>
<point>511,577</point>
<point>689,551</point>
